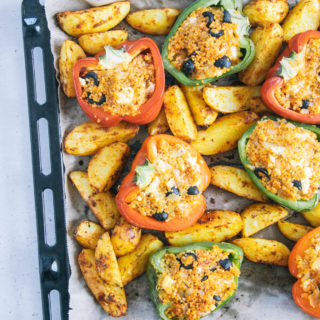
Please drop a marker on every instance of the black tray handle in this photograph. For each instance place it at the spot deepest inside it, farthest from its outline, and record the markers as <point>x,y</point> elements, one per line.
<point>36,34</point>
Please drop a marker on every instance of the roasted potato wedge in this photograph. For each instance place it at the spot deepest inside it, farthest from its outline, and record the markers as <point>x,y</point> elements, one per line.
<point>293,231</point>
<point>125,237</point>
<point>264,251</point>
<point>304,16</point>
<point>261,215</point>
<point>266,11</point>
<point>313,216</point>
<point>77,23</point>
<point>88,233</point>
<point>256,105</point>
<point>178,114</point>
<point>94,43</point>
<point>105,167</point>
<point>111,297</point>
<point>159,124</point>
<point>135,263</point>
<point>216,226</point>
<point>81,182</point>
<point>203,115</point>
<point>268,41</point>
<point>224,133</point>
<point>89,137</point>
<point>70,53</point>
<point>103,205</point>
<point>236,180</point>
<point>229,99</point>
<point>153,21</point>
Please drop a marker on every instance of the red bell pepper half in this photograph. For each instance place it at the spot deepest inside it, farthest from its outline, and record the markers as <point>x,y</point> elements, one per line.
<point>149,110</point>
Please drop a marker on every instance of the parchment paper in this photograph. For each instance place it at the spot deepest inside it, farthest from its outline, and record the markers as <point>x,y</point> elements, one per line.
<point>264,291</point>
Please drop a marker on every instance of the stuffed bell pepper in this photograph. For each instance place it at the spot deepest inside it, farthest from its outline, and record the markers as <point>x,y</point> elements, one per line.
<point>283,159</point>
<point>208,41</point>
<point>123,83</point>
<point>163,190</point>
<point>292,88</point>
<point>192,281</point>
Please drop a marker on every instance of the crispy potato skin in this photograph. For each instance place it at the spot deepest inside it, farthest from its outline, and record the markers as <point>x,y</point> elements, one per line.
<point>70,53</point>
<point>77,23</point>
<point>313,216</point>
<point>88,233</point>
<point>159,124</point>
<point>268,40</point>
<point>153,21</point>
<point>256,105</point>
<point>293,231</point>
<point>216,226</point>
<point>81,182</point>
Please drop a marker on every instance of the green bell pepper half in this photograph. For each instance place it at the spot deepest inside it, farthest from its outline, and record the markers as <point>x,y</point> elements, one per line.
<point>156,267</point>
<point>235,9</point>
<point>299,205</point>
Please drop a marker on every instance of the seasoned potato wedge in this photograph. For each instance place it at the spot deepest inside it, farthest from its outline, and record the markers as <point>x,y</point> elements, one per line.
<point>313,216</point>
<point>89,137</point>
<point>268,41</point>
<point>216,226</point>
<point>261,215</point>
<point>94,43</point>
<point>256,105</point>
<point>105,167</point>
<point>103,205</point>
<point>159,124</point>
<point>293,231</point>
<point>203,115</point>
<point>264,251</point>
<point>88,233</point>
<point>153,21</point>
<point>70,53</point>
<point>81,182</point>
<point>178,114</point>
<point>266,11</point>
<point>135,263</point>
<point>124,237</point>
<point>111,297</point>
<point>304,16</point>
<point>224,133</point>
<point>236,180</point>
<point>229,99</point>
<point>77,23</point>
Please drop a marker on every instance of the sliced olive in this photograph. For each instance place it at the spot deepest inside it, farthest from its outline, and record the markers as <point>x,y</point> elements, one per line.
<point>259,171</point>
<point>188,266</point>
<point>305,104</point>
<point>161,216</point>
<point>297,184</point>
<point>226,16</point>
<point>213,269</point>
<point>210,16</point>
<point>192,191</point>
<point>216,35</point>
<point>188,67</point>
<point>174,190</point>
<point>98,103</point>
<point>217,298</point>
<point>93,76</point>
<point>204,278</point>
<point>226,264</point>
<point>223,62</point>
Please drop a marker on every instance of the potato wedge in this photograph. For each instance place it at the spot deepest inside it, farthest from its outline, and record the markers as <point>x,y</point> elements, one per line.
<point>105,167</point>
<point>264,251</point>
<point>229,99</point>
<point>125,237</point>
<point>159,124</point>
<point>135,263</point>
<point>94,43</point>
<point>89,137</point>
<point>256,105</point>
<point>268,41</point>
<point>81,182</point>
<point>236,180</point>
<point>313,216</point>
<point>77,23</point>
<point>261,215</point>
<point>304,16</point>
<point>216,226</point>
<point>224,133</point>
<point>266,11</point>
<point>88,233</point>
<point>203,115</point>
<point>153,21</point>
<point>178,114</point>
<point>111,297</point>
<point>293,231</point>
<point>70,53</point>
<point>103,205</point>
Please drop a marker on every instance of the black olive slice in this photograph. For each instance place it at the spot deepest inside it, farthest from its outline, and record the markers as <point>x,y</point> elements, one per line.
<point>259,171</point>
<point>216,35</point>
<point>160,216</point>
<point>297,184</point>
<point>98,103</point>
<point>226,16</point>
<point>226,264</point>
<point>305,104</point>
<point>213,269</point>
<point>93,76</point>
<point>217,298</point>
<point>188,67</point>
<point>210,16</point>
<point>204,278</point>
<point>192,191</point>
<point>174,190</point>
<point>188,266</point>
<point>223,62</point>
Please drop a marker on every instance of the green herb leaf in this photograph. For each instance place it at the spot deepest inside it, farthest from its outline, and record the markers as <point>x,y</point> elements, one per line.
<point>242,22</point>
<point>288,67</point>
<point>144,174</point>
<point>112,57</point>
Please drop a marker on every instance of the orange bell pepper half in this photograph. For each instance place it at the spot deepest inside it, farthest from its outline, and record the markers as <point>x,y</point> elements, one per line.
<point>149,110</point>
<point>274,81</point>
<point>128,189</point>
<point>298,251</point>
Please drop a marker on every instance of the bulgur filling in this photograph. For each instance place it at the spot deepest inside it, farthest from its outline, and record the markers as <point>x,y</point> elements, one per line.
<point>309,273</point>
<point>194,283</point>
<point>121,90</point>
<point>286,158</point>
<point>204,45</point>
<point>173,183</point>
<point>302,92</point>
